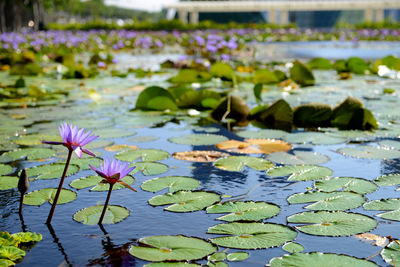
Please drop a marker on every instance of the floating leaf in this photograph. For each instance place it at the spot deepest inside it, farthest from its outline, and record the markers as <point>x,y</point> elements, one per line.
<point>83,163</point>
<point>298,157</point>
<point>390,144</point>
<point>143,139</point>
<point>172,264</point>
<point>99,144</point>
<point>301,172</point>
<point>391,253</point>
<point>264,76</point>
<point>328,201</point>
<point>391,204</point>
<point>315,138</point>
<point>237,163</point>
<point>8,182</point>
<point>293,247</point>
<point>30,153</point>
<point>238,109</point>
<point>199,155</point>
<point>244,211</point>
<point>388,180</point>
<point>185,201</point>
<point>26,237</point>
<point>172,248</point>
<point>376,240</point>
<point>237,256</point>
<point>255,146</point>
<point>94,181</point>
<point>278,113</point>
<point>120,148</point>
<point>198,139</point>
<point>91,215</point>
<point>336,223</point>
<point>218,256</point>
<point>155,98</point>
<point>349,184</point>
<point>267,133</point>
<point>35,139</point>
<point>144,154</point>
<point>11,253</point>
<point>5,263</point>
<point>42,196</point>
<point>114,133</point>
<point>317,259</point>
<point>319,63</point>
<point>173,183</point>
<point>217,264</point>
<point>251,235</point>
<point>312,115</point>
<point>150,168</point>
<point>301,74</point>
<point>369,152</point>
<point>51,171</point>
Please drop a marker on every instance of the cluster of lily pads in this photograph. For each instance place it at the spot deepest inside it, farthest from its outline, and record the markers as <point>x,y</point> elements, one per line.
<point>13,246</point>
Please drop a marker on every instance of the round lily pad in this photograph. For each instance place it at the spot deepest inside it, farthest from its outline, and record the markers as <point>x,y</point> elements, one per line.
<point>144,154</point>
<point>185,201</point>
<point>390,144</point>
<point>388,180</point>
<point>29,153</point>
<point>237,256</point>
<point>8,182</point>
<point>237,163</point>
<point>348,184</point>
<point>51,171</point>
<point>11,253</point>
<point>41,196</point>
<point>113,133</point>
<point>143,139</point>
<point>172,264</point>
<point>94,182</point>
<point>218,256</point>
<point>328,201</point>
<point>298,157</point>
<point>267,133</point>
<point>99,144</point>
<point>5,169</point>
<point>336,223</point>
<point>91,215</point>
<point>198,139</point>
<point>251,235</point>
<point>83,163</point>
<point>301,172</point>
<point>244,211</point>
<point>36,139</point>
<point>315,138</point>
<point>199,155</point>
<point>293,247</point>
<point>317,259</point>
<point>392,205</point>
<point>369,152</point>
<point>173,183</point>
<point>149,168</point>
<point>172,248</point>
<point>121,147</point>
<point>391,253</point>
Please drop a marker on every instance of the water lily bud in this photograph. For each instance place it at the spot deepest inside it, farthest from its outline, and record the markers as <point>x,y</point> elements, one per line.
<point>23,183</point>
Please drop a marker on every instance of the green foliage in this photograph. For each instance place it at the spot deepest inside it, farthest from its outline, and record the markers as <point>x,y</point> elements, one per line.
<point>12,246</point>
<point>301,74</point>
<point>312,115</point>
<point>278,115</point>
<point>155,98</point>
<point>222,70</point>
<point>31,69</point>
<point>91,215</point>
<point>264,76</point>
<point>190,76</point>
<point>319,63</point>
<point>357,65</point>
<point>232,107</point>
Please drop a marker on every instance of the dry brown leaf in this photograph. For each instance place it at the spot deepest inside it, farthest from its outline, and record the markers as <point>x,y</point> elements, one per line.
<point>199,156</point>
<point>376,240</point>
<point>119,147</point>
<point>255,146</point>
<point>230,144</point>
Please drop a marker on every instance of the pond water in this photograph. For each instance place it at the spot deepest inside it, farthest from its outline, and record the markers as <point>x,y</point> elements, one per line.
<point>70,243</point>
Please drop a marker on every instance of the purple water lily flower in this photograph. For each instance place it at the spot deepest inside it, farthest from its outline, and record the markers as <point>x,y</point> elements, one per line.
<point>74,139</point>
<point>113,170</point>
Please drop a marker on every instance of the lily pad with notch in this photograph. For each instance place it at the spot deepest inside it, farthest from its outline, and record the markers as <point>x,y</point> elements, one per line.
<point>39,197</point>
<point>50,171</point>
<point>91,215</point>
<point>237,163</point>
<point>392,205</point>
<point>8,182</point>
<point>391,253</point>
<point>388,180</point>
<point>198,139</point>
<point>293,247</point>
<point>94,181</point>
<point>144,154</point>
<point>29,153</point>
<point>173,183</point>
<point>347,184</point>
<point>369,152</point>
<point>298,157</point>
<point>149,168</point>
<point>301,172</point>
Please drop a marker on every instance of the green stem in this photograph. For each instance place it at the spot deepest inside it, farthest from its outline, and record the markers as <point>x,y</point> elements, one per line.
<point>106,204</point>
<point>53,207</point>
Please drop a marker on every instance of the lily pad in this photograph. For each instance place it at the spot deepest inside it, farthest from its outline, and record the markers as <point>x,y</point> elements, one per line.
<point>94,182</point>
<point>218,256</point>
<point>26,237</point>
<point>369,152</point>
<point>5,169</point>
<point>11,253</point>
<point>35,139</point>
<point>348,184</point>
<point>392,205</point>
<point>328,201</point>
<point>155,98</point>
<point>315,138</point>
<point>298,157</point>
<point>29,153</point>
<point>293,247</point>
<point>172,248</point>
<point>301,74</point>
<point>312,115</point>
<point>338,223</point>
<point>113,133</point>
<point>91,215</point>
<point>301,172</point>
<point>51,171</point>
<point>99,144</point>
<point>317,259</point>
<point>390,144</point>
<point>172,264</point>
<point>237,163</point>
<point>83,163</point>
<point>185,201</point>
<point>149,168</point>
<point>122,147</point>
<point>391,253</point>
<point>144,154</point>
<point>237,256</point>
<point>8,182</point>
<point>5,263</point>
<point>42,196</point>
<point>244,211</point>
<point>143,139</point>
<point>173,183</point>
<point>388,180</point>
<point>267,133</point>
<point>199,155</point>
<point>251,235</point>
<point>198,139</point>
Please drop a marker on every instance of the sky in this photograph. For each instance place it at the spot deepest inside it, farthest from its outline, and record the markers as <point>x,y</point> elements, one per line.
<point>148,5</point>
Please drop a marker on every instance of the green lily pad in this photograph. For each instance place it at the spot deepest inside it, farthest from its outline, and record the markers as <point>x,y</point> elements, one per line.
<point>51,171</point>
<point>392,205</point>
<point>390,144</point>
<point>91,215</point>
<point>319,63</point>
<point>267,134</point>
<point>173,183</point>
<point>99,144</point>
<point>144,154</point>
<point>338,223</point>
<point>237,163</point>
<point>5,169</point>
<point>11,253</point>
<point>218,256</point>
<point>237,256</point>
<point>5,263</point>
<point>293,247</point>
<point>264,76</point>
<point>149,168</point>
<point>172,264</point>
<point>221,70</point>
<point>244,211</point>
<point>83,163</point>
<point>185,201</point>
<point>369,152</point>
<point>301,74</point>
<point>312,115</point>
<point>388,180</point>
<point>113,133</point>
<point>8,182</point>
<point>155,98</point>
<point>29,153</point>
<point>172,248</point>
<point>315,138</point>
<point>39,197</point>
<point>143,139</point>
<point>348,184</point>
<point>251,235</point>
<point>35,139</point>
<point>198,139</point>
<point>217,264</point>
<point>94,182</point>
<point>26,237</point>
<point>328,201</point>
<point>297,158</point>
<point>391,253</point>
<point>278,113</point>
<point>317,259</point>
<point>301,172</point>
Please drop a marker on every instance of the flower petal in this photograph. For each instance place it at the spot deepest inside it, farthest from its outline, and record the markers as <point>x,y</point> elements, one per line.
<point>88,152</point>
<point>98,172</point>
<point>52,143</point>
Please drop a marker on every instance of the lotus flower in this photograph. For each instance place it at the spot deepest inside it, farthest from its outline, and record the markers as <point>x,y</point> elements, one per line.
<point>74,139</point>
